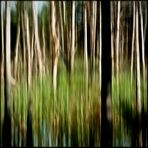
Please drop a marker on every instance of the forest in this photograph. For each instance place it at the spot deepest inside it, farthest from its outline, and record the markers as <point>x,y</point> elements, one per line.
<point>73,73</point>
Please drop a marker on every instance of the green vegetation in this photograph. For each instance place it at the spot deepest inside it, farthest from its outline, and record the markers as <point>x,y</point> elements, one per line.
<point>75,113</point>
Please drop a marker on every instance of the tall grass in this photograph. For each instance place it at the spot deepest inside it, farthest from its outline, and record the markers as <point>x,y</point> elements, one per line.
<point>73,117</point>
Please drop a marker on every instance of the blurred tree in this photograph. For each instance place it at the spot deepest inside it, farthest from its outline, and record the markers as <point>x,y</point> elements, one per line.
<point>6,133</point>
<point>106,97</point>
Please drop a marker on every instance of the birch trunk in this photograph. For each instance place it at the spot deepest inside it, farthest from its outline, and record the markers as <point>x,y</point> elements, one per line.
<point>6,133</point>
<point>2,43</point>
<point>85,44</point>
<point>142,39</point>
<point>28,48</point>
<point>73,37</point>
<point>117,45</point>
<point>55,49</point>
<point>37,41</point>
<point>138,85</point>
<point>100,51</point>
<point>133,41</point>
<point>112,35</point>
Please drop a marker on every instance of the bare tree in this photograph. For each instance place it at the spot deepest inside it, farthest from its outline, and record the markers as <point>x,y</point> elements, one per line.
<point>6,133</point>
<point>117,46</point>
<point>100,50</point>
<point>138,85</point>
<point>28,47</point>
<point>73,37</point>
<point>142,39</point>
<point>133,41</point>
<point>55,49</point>
<point>17,39</point>
<point>85,44</point>
<point>106,108</point>
<point>37,41</point>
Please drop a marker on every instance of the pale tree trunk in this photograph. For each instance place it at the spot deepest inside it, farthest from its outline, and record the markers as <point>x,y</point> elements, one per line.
<point>32,49</point>
<point>145,26</point>
<point>44,55</point>
<point>117,46</point>
<point>55,49</point>
<point>138,85</point>
<point>28,48</point>
<point>85,45</point>
<point>62,24</point>
<point>2,43</point>
<point>37,42</point>
<point>100,50</point>
<point>73,37</point>
<point>142,39</point>
<point>112,35</point>
<point>93,33</point>
<point>23,34</point>
<point>0,65</point>
<point>6,135</point>
<point>133,42</point>
<point>16,48</point>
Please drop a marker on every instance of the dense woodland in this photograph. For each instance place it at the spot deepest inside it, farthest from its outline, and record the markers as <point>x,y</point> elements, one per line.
<point>73,73</point>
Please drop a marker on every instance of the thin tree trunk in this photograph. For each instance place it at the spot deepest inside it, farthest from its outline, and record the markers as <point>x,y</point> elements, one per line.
<point>6,135</point>
<point>23,34</point>
<point>0,64</point>
<point>17,40</point>
<point>37,42</point>
<point>85,45</point>
<point>62,24</point>
<point>44,55</point>
<point>73,37</point>
<point>28,48</point>
<point>2,43</point>
<point>55,49</point>
<point>117,46</point>
<point>138,85</point>
<point>100,50</point>
<point>133,41</point>
<point>145,25</point>
<point>112,35</point>
<point>142,39</point>
<point>106,104</point>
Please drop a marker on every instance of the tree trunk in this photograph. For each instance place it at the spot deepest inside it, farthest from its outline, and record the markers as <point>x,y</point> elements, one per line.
<point>85,45</point>
<point>106,108</point>
<point>28,48</point>
<point>73,37</point>
<point>112,35</point>
<point>100,50</point>
<point>117,46</point>
<point>23,36</point>
<point>6,133</point>
<point>16,49</point>
<point>133,41</point>
<point>37,41</point>
<point>138,85</point>
<point>55,49</point>
<point>1,46</point>
<point>142,39</point>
